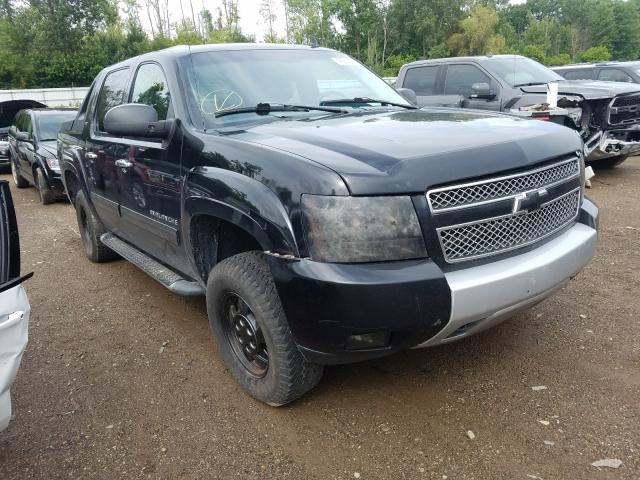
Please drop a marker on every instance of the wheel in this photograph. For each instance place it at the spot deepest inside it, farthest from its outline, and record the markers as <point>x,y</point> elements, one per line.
<point>17,178</point>
<point>609,162</point>
<point>90,231</point>
<point>252,332</point>
<point>46,195</point>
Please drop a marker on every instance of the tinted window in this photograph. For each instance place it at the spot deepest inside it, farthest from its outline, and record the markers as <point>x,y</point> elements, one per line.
<point>460,78</point>
<point>49,124</point>
<point>112,93</point>
<point>19,121</point>
<point>580,74</point>
<point>422,80</point>
<point>27,127</point>
<point>151,88</point>
<point>613,75</point>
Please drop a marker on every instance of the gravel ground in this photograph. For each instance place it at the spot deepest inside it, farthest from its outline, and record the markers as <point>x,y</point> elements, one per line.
<point>98,397</point>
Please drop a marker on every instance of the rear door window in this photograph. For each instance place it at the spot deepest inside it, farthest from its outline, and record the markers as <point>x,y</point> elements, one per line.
<point>613,75</point>
<point>461,77</point>
<point>113,93</point>
<point>422,80</point>
<point>579,74</point>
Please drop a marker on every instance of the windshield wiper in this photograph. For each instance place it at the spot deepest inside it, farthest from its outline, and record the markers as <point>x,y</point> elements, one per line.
<point>384,103</point>
<point>530,84</point>
<point>266,108</point>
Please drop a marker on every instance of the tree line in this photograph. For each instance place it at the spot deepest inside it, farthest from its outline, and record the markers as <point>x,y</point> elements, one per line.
<point>53,43</point>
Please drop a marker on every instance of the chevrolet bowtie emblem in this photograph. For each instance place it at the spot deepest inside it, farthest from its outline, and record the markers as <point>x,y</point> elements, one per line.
<point>527,202</point>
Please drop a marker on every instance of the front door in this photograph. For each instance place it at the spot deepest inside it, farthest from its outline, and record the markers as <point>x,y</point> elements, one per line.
<point>102,151</point>
<point>459,79</point>
<point>149,175</point>
<point>26,149</point>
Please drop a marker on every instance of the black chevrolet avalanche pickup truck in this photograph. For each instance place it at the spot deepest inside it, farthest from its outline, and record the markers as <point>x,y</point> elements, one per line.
<point>325,218</point>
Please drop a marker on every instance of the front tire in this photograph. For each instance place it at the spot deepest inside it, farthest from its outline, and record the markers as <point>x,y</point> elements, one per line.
<point>46,195</point>
<point>252,332</point>
<point>91,229</point>
<point>17,178</point>
<point>609,162</point>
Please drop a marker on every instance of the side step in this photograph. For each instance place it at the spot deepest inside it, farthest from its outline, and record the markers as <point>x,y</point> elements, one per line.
<point>153,268</point>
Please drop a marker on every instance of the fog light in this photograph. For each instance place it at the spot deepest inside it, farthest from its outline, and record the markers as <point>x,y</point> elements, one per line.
<point>369,340</point>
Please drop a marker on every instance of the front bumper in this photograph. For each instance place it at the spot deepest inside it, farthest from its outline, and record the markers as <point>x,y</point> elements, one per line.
<point>14,321</point>
<point>415,302</point>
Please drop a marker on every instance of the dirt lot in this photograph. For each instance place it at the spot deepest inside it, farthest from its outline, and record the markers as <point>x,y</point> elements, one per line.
<point>98,397</point>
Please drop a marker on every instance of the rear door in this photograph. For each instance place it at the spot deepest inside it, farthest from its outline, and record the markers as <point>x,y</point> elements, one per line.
<point>103,150</point>
<point>149,173</point>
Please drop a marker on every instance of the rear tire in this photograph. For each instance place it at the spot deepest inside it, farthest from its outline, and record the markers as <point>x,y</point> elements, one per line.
<point>609,162</point>
<point>19,181</point>
<point>91,229</point>
<point>252,332</point>
<point>46,195</point>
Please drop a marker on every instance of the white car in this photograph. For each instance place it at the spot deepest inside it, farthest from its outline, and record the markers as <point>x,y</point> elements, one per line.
<point>14,304</point>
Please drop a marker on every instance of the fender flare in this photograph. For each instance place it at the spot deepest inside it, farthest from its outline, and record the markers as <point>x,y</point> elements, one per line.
<point>241,201</point>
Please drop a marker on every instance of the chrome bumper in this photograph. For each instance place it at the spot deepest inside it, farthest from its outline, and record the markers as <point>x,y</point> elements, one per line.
<point>484,296</point>
<point>14,321</point>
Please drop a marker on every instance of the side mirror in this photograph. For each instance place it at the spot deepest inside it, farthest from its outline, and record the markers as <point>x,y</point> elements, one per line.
<point>409,95</point>
<point>481,91</point>
<point>136,120</point>
<point>23,137</point>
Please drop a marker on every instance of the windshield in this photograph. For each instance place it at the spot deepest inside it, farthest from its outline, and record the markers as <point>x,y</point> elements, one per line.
<point>519,71</point>
<point>48,125</point>
<point>220,81</point>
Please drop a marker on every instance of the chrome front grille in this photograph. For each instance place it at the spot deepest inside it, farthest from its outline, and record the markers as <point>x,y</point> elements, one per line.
<point>497,215</point>
<point>501,234</point>
<point>460,196</point>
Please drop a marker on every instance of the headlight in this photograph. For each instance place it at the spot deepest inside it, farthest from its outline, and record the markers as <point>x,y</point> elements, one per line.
<point>361,229</point>
<point>53,164</point>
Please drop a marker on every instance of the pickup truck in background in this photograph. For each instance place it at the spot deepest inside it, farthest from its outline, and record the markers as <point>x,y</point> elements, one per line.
<point>605,114</point>
<point>325,218</point>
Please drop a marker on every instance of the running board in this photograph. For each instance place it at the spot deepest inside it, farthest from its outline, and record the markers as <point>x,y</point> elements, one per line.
<point>153,268</point>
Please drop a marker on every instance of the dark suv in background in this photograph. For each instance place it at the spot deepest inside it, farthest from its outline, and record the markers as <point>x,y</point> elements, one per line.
<point>32,143</point>
<point>628,72</point>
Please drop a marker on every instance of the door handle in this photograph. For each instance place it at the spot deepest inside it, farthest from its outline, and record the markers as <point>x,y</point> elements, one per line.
<point>122,163</point>
<point>90,155</point>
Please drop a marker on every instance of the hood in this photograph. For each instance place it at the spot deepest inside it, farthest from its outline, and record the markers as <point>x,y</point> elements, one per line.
<point>48,148</point>
<point>410,151</point>
<point>9,108</point>
<point>588,89</point>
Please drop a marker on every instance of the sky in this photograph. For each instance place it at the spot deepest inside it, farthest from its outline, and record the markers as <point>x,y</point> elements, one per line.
<point>251,22</point>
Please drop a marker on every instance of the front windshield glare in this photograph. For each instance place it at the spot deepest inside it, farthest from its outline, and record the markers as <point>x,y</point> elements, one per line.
<point>49,124</point>
<point>521,71</point>
<point>220,81</point>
